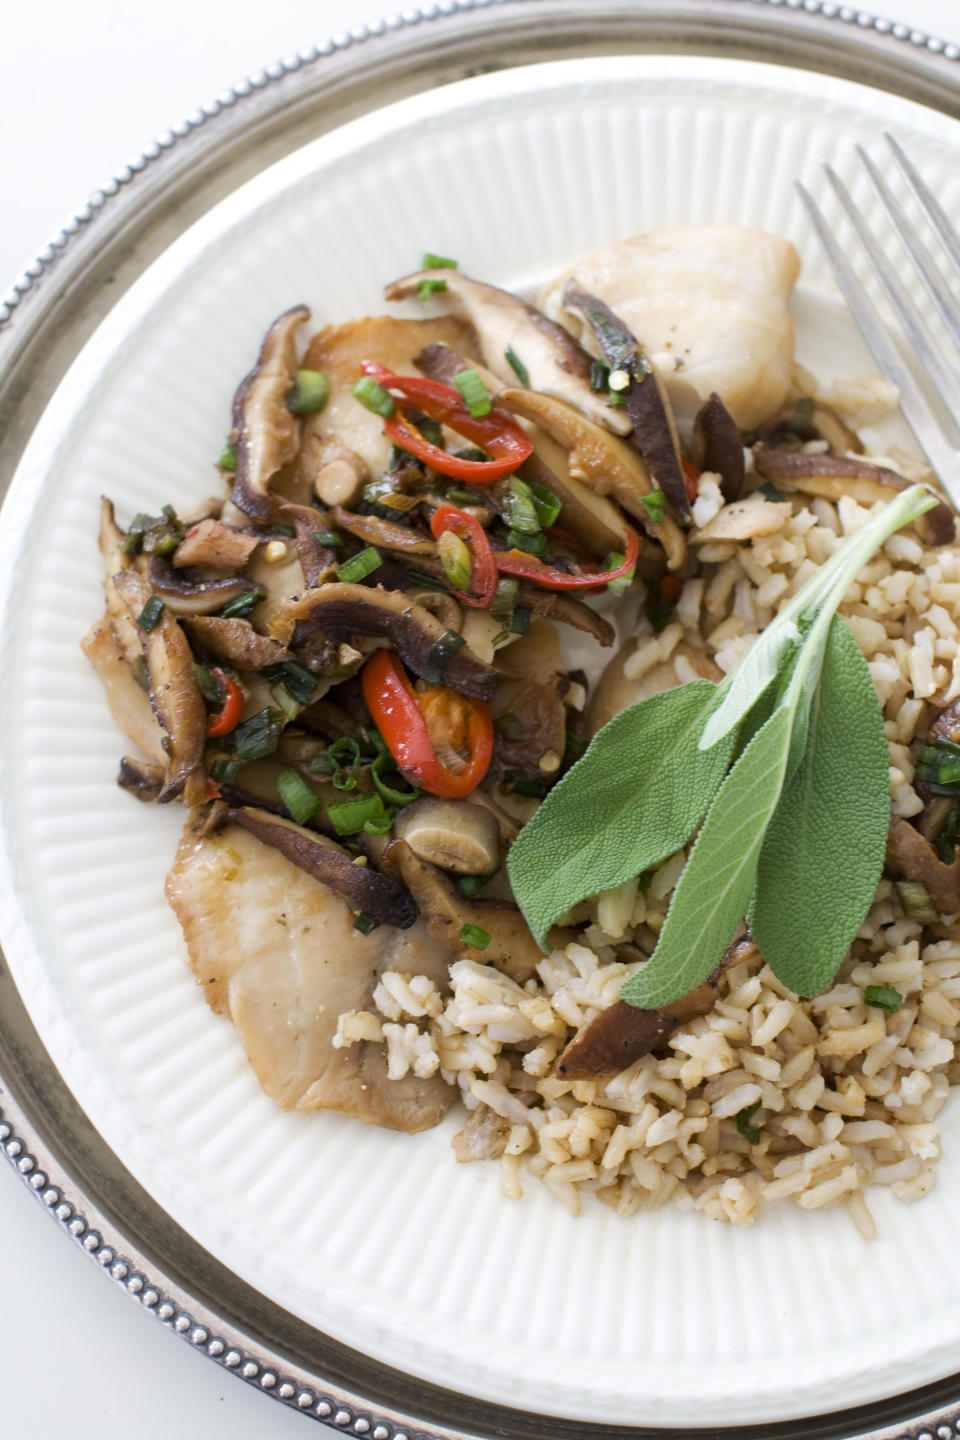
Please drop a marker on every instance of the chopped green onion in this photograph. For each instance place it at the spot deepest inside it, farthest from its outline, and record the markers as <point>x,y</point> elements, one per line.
<point>225,771</point>
<point>518,506</point>
<point>359,566</point>
<point>426,288</point>
<point>517,366</point>
<point>885,997</point>
<point>505,598</point>
<point>509,727</point>
<point>615,400</point>
<point>140,671</point>
<point>472,452</point>
<point>939,766</point>
<point>328,537</point>
<point>619,586</point>
<point>545,503</point>
<point>455,558</point>
<point>531,544</point>
<point>428,582</point>
<point>277,527</point>
<point>205,682</point>
<point>238,609</point>
<point>915,901</point>
<point>228,458</point>
<point>438,657</point>
<point>348,817</point>
<point>437,262</point>
<point>520,621</point>
<point>372,394</point>
<point>381,827</point>
<point>259,736</point>
<point>599,376</point>
<point>309,392</point>
<point>654,505</point>
<point>296,795</point>
<point>462,497</point>
<point>365,923</point>
<point>771,492</point>
<point>574,746</point>
<point>150,614</point>
<point>290,707</point>
<point>298,680</point>
<point>153,534</point>
<point>474,392</point>
<point>473,935</point>
<point>534,786</point>
<point>328,762</point>
<point>431,430</point>
<point>468,885</point>
<point>390,794</point>
<point>949,834</point>
<point>744,1116</point>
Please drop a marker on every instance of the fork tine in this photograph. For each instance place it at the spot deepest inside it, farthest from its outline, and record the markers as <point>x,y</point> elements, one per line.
<point>928,204</point>
<point>933,282</point>
<point>915,327</point>
<point>916,410</point>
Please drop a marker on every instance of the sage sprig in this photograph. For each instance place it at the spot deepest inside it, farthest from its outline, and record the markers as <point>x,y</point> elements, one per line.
<point>791,835</point>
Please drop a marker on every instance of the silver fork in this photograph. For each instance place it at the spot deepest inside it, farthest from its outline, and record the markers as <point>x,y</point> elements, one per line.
<point>939,449</point>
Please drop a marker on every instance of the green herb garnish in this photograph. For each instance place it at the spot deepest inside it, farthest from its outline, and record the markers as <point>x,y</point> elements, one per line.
<point>238,609</point>
<point>654,505</point>
<point>474,392</point>
<point>309,392</point>
<point>437,262</point>
<point>885,997</point>
<point>744,1116</point>
<point>804,803</point>
<point>426,288</point>
<point>228,457</point>
<point>296,795</point>
<point>517,366</point>
<point>473,935</point>
<point>358,567</point>
<point>348,817</point>
<point>150,614</point>
<point>372,394</point>
<point>257,737</point>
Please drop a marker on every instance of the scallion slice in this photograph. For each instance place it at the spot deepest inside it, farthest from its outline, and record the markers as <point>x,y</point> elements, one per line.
<point>744,1116</point>
<point>285,702</point>
<point>372,394</point>
<point>623,582</point>
<point>348,817</point>
<point>530,544</point>
<point>474,392</point>
<point>360,566</point>
<point>520,621</point>
<point>225,771</point>
<point>455,558</point>
<point>505,598</point>
<point>428,582</point>
<point>296,795</point>
<point>518,505</point>
<point>517,366</point>
<point>771,492</point>
<point>654,505</point>
<point>426,288</point>
<point>545,503</point>
<point>205,682</point>
<point>257,737</point>
<point>437,262</point>
<point>885,997</point>
<point>309,392</point>
<point>916,902</point>
<point>599,376</point>
<point>238,609</point>
<point>328,537</point>
<point>438,657</point>
<point>297,679</point>
<point>365,923</point>
<point>385,764</point>
<point>228,458</point>
<point>469,885</point>
<point>150,614</point>
<point>473,935</point>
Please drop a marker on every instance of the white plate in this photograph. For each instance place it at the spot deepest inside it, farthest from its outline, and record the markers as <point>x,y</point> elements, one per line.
<point>378,1239</point>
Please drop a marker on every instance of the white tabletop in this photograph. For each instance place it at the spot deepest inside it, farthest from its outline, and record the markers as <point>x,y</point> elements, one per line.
<point>85,86</point>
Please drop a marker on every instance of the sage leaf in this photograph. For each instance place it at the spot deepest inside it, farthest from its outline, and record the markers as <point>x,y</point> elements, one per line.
<point>634,798</point>
<point>823,851</point>
<point>718,879</point>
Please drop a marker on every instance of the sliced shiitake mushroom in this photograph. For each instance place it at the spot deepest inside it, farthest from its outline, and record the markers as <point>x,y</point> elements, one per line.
<point>210,542</point>
<point>268,434</point>
<point>717,446</point>
<point>193,592</point>
<point>451,834</point>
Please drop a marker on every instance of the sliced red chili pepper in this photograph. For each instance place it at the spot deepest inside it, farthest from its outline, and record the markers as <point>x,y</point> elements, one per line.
<point>227,718</point>
<point>515,562</point>
<point>483,572</point>
<point>497,433</point>
<point>403,718</point>
<point>692,476</point>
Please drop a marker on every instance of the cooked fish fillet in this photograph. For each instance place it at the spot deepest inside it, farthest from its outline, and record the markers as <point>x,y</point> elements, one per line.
<point>276,951</point>
<point>708,303</point>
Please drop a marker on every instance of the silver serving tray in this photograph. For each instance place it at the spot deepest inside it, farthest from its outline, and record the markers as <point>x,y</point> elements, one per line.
<point>45,320</point>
